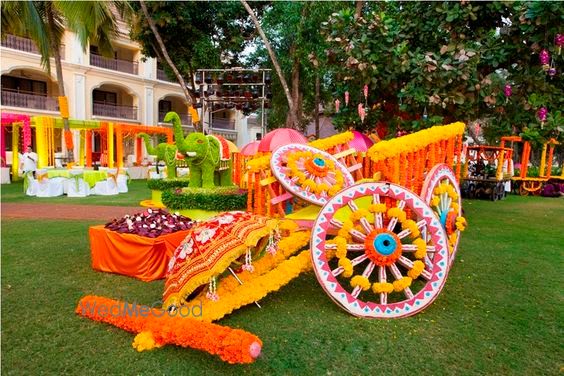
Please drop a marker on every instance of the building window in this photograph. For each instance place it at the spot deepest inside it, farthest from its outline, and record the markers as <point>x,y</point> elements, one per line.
<point>24,85</point>
<point>106,97</point>
<point>165,106</point>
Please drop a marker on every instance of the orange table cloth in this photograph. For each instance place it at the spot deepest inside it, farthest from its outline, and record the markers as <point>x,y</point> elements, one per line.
<point>132,255</point>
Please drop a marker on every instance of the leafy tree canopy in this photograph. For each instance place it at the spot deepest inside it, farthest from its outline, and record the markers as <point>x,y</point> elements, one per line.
<point>197,34</point>
<point>451,60</point>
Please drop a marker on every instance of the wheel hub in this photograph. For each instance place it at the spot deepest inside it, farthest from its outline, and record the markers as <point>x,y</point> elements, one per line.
<point>383,247</point>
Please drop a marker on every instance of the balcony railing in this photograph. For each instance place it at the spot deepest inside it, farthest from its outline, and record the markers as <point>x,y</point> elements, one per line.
<point>185,119</point>
<point>161,75</point>
<point>125,66</point>
<point>25,44</point>
<point>15,98</point>
<point>223,124</point>
<point>114,111</point>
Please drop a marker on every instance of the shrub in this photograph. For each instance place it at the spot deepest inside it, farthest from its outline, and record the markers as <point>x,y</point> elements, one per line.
<point>164,184</point>
<point>216,199</point>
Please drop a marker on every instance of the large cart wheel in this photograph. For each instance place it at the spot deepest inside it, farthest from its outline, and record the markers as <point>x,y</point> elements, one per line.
<point>441,192</point>
<point>390,256</point>
<point>309,173</point>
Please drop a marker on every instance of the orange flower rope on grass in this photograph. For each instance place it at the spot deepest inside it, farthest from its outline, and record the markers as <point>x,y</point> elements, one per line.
<point>157,328</point>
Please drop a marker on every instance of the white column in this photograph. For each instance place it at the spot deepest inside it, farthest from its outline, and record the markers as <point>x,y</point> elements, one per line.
<point>77,56</point>
<point>149,68</point>
<point>149,105</point>
<point>80,96</point>
<point>78,103</point>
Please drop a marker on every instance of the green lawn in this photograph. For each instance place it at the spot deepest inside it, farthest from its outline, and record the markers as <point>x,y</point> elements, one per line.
<point>500,312</point>
<point>138,192</point>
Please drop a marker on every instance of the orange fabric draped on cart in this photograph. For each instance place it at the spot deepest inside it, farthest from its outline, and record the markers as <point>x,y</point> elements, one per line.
<point>132,255</point>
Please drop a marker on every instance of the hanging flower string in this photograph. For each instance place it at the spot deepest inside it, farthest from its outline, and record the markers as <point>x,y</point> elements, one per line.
<point>559,42</point>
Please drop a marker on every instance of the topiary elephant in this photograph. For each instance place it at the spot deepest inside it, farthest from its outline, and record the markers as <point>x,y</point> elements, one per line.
<point>164,152</point>
<point>208,157</point>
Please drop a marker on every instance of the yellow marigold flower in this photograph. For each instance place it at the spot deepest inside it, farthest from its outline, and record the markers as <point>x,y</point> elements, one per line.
<point>397,213</point>
<point>345,234</point>
<point>377,208</point>
<point>385,288</point>
<point>416,270</point>
<point>288,225</point>
<point>402,284</point>
<point>411,225</point>
<point>454,206</point>
<point>435,201</point>
<point>347,266</point>
<point>421,248</point>
<point>360,281</point>
<point>356,215</point>
<point>348,225</point>
<point>341,246</point>
<point>144,341</point>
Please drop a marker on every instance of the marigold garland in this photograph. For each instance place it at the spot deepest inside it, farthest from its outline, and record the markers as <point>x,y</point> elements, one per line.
<point>231,345</point>
<point>261,286</point>
<point>259,164</point>
<point>415,141</point>
<point>330,142</point>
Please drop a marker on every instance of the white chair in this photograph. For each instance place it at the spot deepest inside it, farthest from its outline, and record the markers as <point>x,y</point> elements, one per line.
<point>77,187</point>
<point>122,179</point>
<point>107,187</point>
<point>31,184</point>
<point>152,173</point>
<point>49,187</point>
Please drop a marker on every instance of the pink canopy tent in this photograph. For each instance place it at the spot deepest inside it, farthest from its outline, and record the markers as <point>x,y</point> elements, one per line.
<point>250,149</point>
<point>360,142</point>
<point>280,137</point>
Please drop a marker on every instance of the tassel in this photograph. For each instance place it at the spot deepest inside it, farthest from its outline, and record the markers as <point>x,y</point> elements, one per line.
<point>212,290</point>
<point>248,265</point>
<point>273,242</point>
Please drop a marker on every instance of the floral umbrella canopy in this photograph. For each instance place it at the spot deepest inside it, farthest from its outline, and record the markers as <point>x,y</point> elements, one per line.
<point>280,137</point>
<point>210,248</point>
<point>360,142</point>
<point>250,149</point>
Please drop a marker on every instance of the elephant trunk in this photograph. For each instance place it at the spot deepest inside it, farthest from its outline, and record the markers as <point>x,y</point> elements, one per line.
<point>150,149</point>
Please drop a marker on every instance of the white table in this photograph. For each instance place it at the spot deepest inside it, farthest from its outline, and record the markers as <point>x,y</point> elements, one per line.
<point>5,175</point>
<point>138,172</point>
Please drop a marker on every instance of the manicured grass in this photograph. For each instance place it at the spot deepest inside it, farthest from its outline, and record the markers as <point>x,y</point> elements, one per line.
<point>138,192</point>
<point>499,313</point>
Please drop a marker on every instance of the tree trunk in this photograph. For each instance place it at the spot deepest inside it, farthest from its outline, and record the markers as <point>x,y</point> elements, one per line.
<point>295,90</point>
<point>189,96</point>
<point>358,9</point>
<point>317,84</point>
<point>58,69</point>
<point>291,104</point>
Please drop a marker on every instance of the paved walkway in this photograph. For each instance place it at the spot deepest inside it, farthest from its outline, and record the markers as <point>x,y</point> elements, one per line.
<point>71,212</point>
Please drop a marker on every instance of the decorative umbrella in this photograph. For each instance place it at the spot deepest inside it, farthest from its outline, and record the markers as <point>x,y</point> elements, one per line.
<point>232,147</point>
<point>360,142</point>
<point>280,137</point>
<point>250,149</point>
<point>210,248</point>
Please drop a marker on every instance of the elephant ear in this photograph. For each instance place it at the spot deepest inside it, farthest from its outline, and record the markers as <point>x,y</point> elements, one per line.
<point>169,155</point>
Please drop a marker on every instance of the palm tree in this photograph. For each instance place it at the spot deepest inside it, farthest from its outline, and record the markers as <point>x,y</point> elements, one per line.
<point>163,50</point>
<point>45,21</point>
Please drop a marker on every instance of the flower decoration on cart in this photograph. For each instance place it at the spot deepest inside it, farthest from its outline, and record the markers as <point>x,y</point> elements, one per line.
<point>379,249</point>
